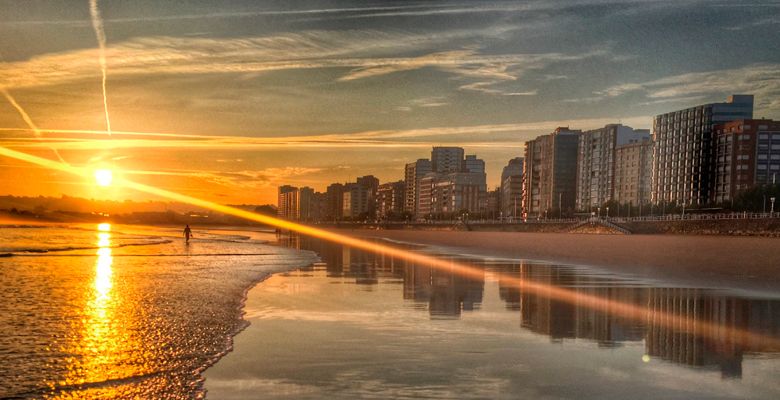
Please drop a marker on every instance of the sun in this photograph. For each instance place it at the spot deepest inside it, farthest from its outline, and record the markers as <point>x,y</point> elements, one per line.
<point>104,177</point>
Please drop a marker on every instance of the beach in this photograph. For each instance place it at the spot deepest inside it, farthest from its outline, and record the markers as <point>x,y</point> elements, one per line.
<point>364,325</point>
<point>120,311</point>
<point>750,263</point>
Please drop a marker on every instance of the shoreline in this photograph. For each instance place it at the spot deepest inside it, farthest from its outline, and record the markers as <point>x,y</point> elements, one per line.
<point>719,262</point>
<point>241,309</point>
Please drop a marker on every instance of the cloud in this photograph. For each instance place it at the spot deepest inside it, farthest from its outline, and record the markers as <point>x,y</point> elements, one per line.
<point>482,136</point>
<point>762,80</point>
<point>360,51</point>
<point>246,179</point>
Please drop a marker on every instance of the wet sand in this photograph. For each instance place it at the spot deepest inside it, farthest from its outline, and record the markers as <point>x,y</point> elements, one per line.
<point>748,263</point>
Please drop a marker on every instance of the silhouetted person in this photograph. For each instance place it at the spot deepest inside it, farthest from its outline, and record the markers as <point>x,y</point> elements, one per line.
<point>187,234</point>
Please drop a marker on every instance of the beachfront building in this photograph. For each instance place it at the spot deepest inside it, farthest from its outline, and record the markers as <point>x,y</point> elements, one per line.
<point>457,193</point>
<point>493,204</point>
<point>447,159</point>
<point>511,196</point>
<point>334,198</point>
<point>550,173</point>
<point>413,174</point>
<point>634,172</point>
<point>390,200</point>
<point>747,155</point>
<point>359,198</point>
<point>302,204</point>
<point>288,204</point>
<point>306,204</point>
<point>596,167</point>
<point>684,150</point>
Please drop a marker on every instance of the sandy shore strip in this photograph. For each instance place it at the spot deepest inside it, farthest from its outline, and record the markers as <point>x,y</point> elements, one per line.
<point>744,263</point>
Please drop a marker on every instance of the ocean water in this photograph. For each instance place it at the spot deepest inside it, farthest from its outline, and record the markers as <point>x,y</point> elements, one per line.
<point>106,311</point>
<point>363,325</point>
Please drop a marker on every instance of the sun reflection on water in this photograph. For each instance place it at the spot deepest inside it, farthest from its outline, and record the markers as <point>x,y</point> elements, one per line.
<point>99,336</point>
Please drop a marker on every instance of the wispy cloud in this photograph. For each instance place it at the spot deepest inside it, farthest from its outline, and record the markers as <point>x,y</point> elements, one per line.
<point>481,136</point>
<point>762,80</point>
<point>245,179</point>
<point>359,51</point>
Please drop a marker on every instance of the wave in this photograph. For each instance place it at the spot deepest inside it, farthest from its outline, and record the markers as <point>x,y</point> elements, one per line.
<point>72,248</point>
<point>143,255</point>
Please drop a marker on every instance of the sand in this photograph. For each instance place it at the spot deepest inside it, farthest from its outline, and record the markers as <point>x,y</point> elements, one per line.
<point>746,263</point>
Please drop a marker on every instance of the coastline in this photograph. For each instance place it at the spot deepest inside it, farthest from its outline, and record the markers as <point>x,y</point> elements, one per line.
<point>241,308</point>
<point>723,262</point>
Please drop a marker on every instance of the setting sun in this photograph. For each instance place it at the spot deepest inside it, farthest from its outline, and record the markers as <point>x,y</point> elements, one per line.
<point>104,177</point>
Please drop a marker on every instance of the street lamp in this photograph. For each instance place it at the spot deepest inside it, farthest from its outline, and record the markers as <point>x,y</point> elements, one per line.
<point>607,212</point>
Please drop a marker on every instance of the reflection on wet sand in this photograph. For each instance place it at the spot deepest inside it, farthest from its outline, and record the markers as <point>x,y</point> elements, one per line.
<point>708,331</point>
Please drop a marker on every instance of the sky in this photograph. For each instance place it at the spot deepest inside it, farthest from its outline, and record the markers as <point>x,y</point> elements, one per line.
<point>228,100</point>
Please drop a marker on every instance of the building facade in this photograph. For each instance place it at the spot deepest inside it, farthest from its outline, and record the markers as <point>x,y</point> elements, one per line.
<point>413,174</point>
<point>511,197</point>
<point>596,167</point>
<point>684,150</point>
<point>747,155</point>
<point>288,204</point>
<point>307,206</point>
<point>550,173</point>
<point>445,160</point>
<point>390,200</point>
<point>334,198</point>
<point>634,172</point>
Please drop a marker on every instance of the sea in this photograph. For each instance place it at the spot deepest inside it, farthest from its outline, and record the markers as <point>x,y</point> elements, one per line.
<point>113,311</point>
<point>107,311</point>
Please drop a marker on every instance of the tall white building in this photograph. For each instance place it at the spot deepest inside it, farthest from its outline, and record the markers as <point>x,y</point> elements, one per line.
<point>596,162</point>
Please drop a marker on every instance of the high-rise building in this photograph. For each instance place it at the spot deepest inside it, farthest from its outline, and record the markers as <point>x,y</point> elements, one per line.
<point>371,183</point>
<point>512,188</point>
<point>596,168</point>
<point>634,172</point>
<point>473,164</point>
<point>425,196</point>
<point>550,173</point>
<point>451,194</point>
<point>445,160</point>
<point>288,205</point>
<point>747,155</point>
<point>684,150</point>
<point>412,175</point>
<point>359,198</point>
<point>390,200</point>
<point>493,203</point>
<point>306,204</point>
<point>335,202</point>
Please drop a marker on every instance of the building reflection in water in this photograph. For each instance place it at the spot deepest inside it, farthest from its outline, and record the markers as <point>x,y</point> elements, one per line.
<point>446,295</point>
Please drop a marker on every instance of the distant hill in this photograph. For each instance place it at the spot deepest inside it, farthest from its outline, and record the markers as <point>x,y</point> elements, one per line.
<point>71,209</point>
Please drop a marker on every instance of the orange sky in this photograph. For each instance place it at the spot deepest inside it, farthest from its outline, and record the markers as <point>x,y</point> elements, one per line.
<point>228,101</point>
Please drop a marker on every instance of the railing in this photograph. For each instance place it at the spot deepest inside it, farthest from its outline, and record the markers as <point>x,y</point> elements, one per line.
<point>649,218</point>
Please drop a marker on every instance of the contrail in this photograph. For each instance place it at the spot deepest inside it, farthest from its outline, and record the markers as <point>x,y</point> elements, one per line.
<point>596,303</point>
<point>100,33</point>
<point>28,120</point>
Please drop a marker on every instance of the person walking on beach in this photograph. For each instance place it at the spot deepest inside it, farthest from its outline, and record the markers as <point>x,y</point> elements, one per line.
<point>187,233</point>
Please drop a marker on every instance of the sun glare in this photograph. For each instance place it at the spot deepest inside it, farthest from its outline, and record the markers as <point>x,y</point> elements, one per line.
<point>103,177</point>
